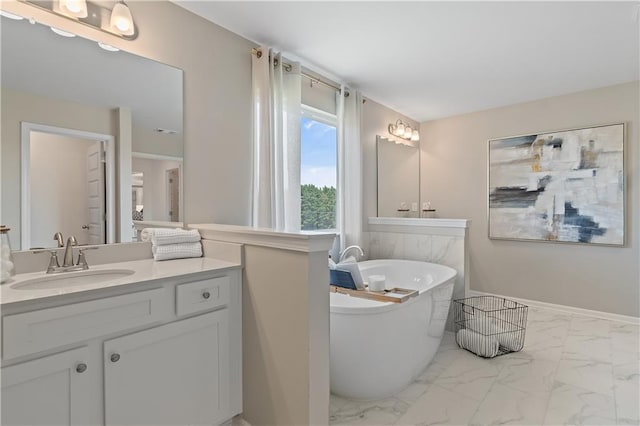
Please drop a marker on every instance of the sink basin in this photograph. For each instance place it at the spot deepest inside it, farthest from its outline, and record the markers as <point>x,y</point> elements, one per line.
<point>72,279</point>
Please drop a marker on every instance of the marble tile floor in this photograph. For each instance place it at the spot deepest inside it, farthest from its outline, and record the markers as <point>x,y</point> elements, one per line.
<point>573,370</point>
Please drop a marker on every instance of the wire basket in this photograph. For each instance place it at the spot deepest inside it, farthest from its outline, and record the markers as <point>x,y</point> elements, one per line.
<point>490,326</point>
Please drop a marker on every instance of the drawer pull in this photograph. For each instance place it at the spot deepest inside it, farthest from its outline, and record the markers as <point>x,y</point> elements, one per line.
<point>81,368</point>
<point>206,295</point>
<point>115,357</point>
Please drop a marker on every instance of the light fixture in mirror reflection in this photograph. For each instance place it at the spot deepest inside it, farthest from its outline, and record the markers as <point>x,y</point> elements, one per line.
<point>398,167</point>
<point>66,88</point>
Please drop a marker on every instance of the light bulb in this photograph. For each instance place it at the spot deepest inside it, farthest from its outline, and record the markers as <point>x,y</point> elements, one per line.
<point>415,136</point>
<point>121,19</point>
<point>62,32</point>
<point>108,47</point>
<point>408,131</point>
<point>77,8</point>
<point>11,15</point>
<point>400,129</point>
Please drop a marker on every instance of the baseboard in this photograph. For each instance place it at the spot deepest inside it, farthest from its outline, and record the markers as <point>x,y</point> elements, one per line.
<point>566,309</point>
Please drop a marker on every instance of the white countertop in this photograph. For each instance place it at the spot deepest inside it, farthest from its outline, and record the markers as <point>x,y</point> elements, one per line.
<point>145,270</point>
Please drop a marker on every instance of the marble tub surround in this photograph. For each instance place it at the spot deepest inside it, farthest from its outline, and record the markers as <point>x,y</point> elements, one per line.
<point>573,370</point>
<point>442,241</point>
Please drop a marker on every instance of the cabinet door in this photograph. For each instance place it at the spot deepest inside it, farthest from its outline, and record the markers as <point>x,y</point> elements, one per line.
<point>175,374</point>
<point>53,390</point>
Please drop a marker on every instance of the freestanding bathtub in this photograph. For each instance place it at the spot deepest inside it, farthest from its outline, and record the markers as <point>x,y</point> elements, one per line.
<point>378,348</point>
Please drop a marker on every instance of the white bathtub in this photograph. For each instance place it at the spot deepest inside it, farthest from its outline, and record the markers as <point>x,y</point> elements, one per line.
<point>378,348</point>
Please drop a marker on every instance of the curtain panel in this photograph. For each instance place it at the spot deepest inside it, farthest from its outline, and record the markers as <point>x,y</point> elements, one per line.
<point>277,102</point>
<point>349,108</point>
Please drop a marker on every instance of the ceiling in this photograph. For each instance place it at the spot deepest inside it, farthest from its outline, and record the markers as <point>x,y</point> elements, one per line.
<point>430,60</point>
<point>36,60</point>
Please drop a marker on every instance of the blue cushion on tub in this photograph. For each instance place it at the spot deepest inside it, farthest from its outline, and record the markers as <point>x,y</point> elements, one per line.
<point>341,279</point>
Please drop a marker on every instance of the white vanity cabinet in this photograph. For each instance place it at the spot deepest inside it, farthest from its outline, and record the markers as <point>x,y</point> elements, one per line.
<point>174,374</point>
<point>165,352</point>
<point>52,390</point>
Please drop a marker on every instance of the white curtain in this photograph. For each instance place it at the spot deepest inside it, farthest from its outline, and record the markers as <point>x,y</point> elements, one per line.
<point>349,167</point>
<point>276,138</point>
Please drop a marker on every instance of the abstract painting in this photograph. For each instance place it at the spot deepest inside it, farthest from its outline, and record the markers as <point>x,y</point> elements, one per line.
<point>565,186</point>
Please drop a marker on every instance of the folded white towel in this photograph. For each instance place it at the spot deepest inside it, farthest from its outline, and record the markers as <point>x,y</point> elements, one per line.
<point>487,326</point>
<point>164,236</point>
<point>176,251</point>
<point>486,346</point>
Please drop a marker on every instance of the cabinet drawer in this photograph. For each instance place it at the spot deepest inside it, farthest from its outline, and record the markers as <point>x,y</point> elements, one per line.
<point>36,331</point>
<point>202,295</point>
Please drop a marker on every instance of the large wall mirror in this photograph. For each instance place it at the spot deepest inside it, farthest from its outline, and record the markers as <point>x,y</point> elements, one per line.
<point>92,139</point>
<point>398,167</point>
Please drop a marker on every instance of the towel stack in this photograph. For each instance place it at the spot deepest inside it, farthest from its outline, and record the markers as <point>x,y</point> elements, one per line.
<point>484,336</point>
<point>173,243</point>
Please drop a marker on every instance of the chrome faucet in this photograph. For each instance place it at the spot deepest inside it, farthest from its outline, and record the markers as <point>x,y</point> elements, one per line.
<point>59,238</point>
<point>68,252</point>
<point>344,253</point>
<point>68,265</point>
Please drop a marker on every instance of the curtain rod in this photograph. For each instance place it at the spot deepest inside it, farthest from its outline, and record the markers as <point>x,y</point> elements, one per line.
<point>313,79</point>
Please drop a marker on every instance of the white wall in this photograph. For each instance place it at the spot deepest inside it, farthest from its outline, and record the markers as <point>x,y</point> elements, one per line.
<point>152,142</point>
<point>58,185</point>
<point>454,178</point>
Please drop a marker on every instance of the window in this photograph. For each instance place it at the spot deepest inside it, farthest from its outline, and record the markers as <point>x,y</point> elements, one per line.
<point>318,168</point>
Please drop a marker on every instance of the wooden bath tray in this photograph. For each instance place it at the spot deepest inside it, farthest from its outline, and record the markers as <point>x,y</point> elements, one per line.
<point>395,295</point>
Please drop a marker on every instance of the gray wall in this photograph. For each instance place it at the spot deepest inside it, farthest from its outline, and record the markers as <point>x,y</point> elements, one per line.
<point>454,178</point>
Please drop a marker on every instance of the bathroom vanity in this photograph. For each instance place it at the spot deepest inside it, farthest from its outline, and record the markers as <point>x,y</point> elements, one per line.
<point>152,343</point>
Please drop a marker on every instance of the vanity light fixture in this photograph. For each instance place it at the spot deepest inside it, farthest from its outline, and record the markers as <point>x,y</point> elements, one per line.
<point>404,131</point>
<point>121,19</point>
<point>76,8</point>
<point>116,20</point>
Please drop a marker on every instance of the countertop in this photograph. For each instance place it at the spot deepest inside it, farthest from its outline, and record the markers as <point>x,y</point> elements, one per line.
<point>144,271</point>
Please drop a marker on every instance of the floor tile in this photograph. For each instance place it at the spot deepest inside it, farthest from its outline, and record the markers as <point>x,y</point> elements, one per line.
<point>507,406</point>
<point>383,412</point>
<point>469,375</point>
<point>592,375</point>
<point>587,347</point>
<point>582,325</point>
<point>627,396</point>
<point>439,406</point>
<point>412,392</point>
<point>570,405</point>
<point>528,375</point>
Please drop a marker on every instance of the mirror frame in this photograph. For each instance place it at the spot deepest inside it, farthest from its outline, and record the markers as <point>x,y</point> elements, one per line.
<point>25,191</point>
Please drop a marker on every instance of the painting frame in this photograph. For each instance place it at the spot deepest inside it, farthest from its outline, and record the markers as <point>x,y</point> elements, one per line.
<point>595,155</point>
